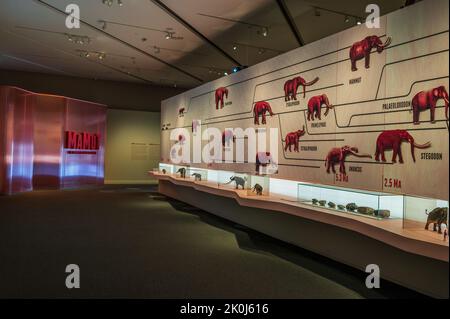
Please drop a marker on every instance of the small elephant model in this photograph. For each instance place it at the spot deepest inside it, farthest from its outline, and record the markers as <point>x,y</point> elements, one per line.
<point>315,201</point>
<point>341,207</point>
<point>427,100</point>
<point>221,94</point>
<point>239,181</point>
<point>331,205</point>
<point>291,87</point>
<point>197,177</point>
<point>365,210</point>
<point>322,202</point>
<point>292,139</point>
<point>258,189</point>
<point>227,136</point>
<point>182,172</point>
<point>363,48</point>
<point>393,140</point>
<point>315,106</point>
<point>351,207</point>
<point>260,109</point>
<point>338,154</point>
<point>437,217</point>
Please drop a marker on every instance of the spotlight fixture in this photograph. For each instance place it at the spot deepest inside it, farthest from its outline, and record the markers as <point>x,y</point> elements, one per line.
<point>88,54</point>
<point>109,3</point>
<point>347,19</point>
<point>261,51</point>
<point>157,49</point>
<point>168,36</point>
<point>78,39</point>
<point>235,47</point>
<point>103,23</point>
<point>358,21</point>
<point>265,31</point>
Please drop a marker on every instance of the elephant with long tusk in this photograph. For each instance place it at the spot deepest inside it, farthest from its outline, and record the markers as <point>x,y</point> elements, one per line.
<point>363,48</point>
<point>338,155</point>
<point>393,140</point>
<point>315,106</point>
<point>427,100</point>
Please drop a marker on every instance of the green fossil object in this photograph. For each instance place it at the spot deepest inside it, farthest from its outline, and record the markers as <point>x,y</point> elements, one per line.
<point>365,210</point>
<point>351,207</point>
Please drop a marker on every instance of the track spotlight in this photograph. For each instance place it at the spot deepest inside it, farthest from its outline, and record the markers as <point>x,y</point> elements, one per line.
<point>347,19</point>
<point>103,24</point>
<point>358,21</point>
<point>109,3</point>
<point>120,3</point>
<point>261,51</point>
<point>157,49</point>
<point>235,47</point>
<point>265,31</point>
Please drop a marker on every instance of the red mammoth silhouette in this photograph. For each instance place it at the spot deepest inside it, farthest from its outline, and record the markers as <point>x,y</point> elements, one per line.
<point>292,139</point>
<point>181,111</point>
<point>362,49</point>
<point>315,106</point>
<point>338,154</point>
<point>221,94</point>
<point>393,140</point>
<point>427,100</point>
<point>227,136</point>
<point>291,87</point>
<point>261,108</point>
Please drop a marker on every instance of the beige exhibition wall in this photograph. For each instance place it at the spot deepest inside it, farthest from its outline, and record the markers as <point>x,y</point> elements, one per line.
<point>367,102</point>
<point>132,146</point>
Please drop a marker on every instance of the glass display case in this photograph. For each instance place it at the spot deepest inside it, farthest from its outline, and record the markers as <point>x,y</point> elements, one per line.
<point>197,174</point>
<point>233,180</point>
<point>364,203</point>
<point>259,185</point>
<point>165,168</point>
<point>426,214</point>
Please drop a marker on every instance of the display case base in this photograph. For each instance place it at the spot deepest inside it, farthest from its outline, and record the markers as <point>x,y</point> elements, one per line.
<point>425,274</point>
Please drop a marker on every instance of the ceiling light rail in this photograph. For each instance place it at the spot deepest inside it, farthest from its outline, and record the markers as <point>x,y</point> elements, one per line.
<point>261,29</point>
<point>73,38</point>
<point>347,17</point>
<point>169,34</point>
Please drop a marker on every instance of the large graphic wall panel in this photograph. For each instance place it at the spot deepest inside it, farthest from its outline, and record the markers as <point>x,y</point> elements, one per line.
<point>386,89</point>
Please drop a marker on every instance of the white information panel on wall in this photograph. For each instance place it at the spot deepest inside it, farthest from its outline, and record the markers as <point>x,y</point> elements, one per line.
<point>362,109</point>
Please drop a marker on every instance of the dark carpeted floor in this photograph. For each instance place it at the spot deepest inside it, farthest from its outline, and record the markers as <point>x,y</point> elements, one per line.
<point>130,242</point>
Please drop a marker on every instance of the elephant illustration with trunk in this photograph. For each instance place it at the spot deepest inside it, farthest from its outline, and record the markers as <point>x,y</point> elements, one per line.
<point>315,106</point>
<point>291,87</point>
<point>338,154</point>
<point>227,136</point>
<point>261,108</point>
<point>427,100</point>
<point>292,139</point>
<point>362,49</point>
<point>221,94</point>
<point>393,140</point>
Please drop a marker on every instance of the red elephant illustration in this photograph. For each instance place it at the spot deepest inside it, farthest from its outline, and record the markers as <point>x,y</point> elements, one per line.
<point>363,48</point>
<point>427,100</point>
<point>291,87</point>
<point>315,106</point>
<point>262,159</point>
<point>293,138</point>
<point>261,108</point>
<point>393,140</point>
<point>221,94</point>
<point>227,136</point>
<point>338,154</point>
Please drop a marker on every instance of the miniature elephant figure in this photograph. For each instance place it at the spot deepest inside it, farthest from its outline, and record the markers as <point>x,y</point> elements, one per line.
<point>338,155</point>
<point>293,138</point>
<point>393,140</point>
<point>315,106</point>
<point>261,108</point>
<point>437,217</point>
<point>239,181</point>
<point>262,159</point>
<point>427,100</point>
<point>363,48</point>
<point>351,207</point>
<point>221,94</point>
<point>291,87</point>
<point>197,177</point>
<point>322,202</point>
<point>182,172</point>
<point>258,189</point>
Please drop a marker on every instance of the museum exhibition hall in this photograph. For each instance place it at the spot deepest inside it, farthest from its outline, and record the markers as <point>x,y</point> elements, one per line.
<point>211,149</point>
